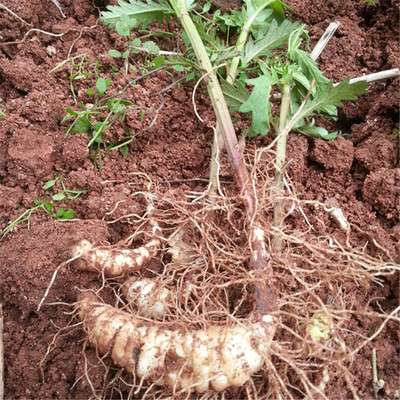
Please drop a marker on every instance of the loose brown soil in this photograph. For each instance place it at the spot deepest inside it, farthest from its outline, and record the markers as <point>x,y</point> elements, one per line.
<point>361,175</point>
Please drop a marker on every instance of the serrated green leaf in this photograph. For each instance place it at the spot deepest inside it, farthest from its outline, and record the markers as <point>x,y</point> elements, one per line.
<point>308,66</point>
<point>295,38</point>
<point>332,95</point>
<point>140,13</point>
<point>235,96</point>
<point>234,19</point>
<point>261,14</point>
<point>276,37</point>
<point>258,103</point>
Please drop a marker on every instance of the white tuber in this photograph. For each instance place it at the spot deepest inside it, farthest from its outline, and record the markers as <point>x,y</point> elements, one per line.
<point>149,297</point>
<point>210,359</point>
<point>113,261</point>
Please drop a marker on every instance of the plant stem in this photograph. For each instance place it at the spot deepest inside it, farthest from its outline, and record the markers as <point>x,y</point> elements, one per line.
<point>231,76</point>
<point>277,185</point>
<point>265,294</point>
<point>217,99</point>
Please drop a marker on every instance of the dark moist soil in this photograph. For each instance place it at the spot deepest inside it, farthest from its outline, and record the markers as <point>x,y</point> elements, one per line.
<point>361,174</point>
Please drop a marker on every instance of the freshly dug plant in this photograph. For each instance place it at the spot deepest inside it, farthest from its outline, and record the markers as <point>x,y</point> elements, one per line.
<point>185,360</point>
<point>227,355</point>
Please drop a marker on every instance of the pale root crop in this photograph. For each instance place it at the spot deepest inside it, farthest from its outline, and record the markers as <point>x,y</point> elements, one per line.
<point>184,360</point>
<point>149,297</point>
<point>113,261</point>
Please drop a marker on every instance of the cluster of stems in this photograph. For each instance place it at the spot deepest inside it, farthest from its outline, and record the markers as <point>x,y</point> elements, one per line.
<point>260,261</point>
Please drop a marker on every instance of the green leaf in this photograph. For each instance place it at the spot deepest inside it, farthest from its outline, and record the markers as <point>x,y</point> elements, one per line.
<point>114,53</point>
<point>125,25</point>
<point>58,197</point>
<point>151,47</point>
<point>90,91</point>
<point>308,66</point>
<point>49,184</point>
<point>60,212</point>
<point>69,214</point>
<point>316,132</point>
<point>235,96</point>
<point>333,95</point>
<point>178,68</point>
<point>276,37</point>
<point>206,7</point>
<point>125,151</point>
<point>261,13</point>
<point>158,61</point>
<point>125,55</point>
<point>137,12</point>
<point>71,112</point>
<point>258,103</point>
<point>101,85</point>
<point>81,125</point>
<point>303,59</point>
<point>190,76</point>
<point>126,102</point>
<point>49,207</point>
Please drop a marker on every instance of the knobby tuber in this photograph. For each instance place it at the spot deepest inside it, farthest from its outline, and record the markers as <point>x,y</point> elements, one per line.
<point>184,360</point>
<point>113,261</point>
<point>149,298</point>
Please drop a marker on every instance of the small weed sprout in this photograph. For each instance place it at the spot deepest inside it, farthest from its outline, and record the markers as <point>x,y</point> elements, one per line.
<point>97,119</point>
<point>47,205</point>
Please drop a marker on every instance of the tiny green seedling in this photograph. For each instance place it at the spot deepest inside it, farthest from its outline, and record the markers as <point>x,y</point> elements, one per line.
<point>134,47</point>
<point>97,121</point>
<point>47,205</point>
<point>80,67</point>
